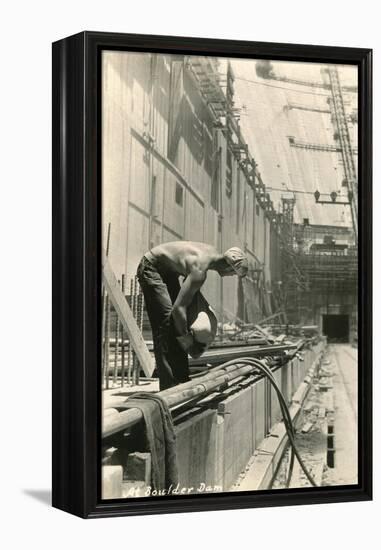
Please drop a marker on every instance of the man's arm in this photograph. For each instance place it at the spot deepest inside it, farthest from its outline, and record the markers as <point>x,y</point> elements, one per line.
<point>191,285</point>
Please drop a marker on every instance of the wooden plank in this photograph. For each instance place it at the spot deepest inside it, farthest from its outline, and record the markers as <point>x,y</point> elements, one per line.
<point>268,338</point>
<point>217,356</point>
<point>321,413</point>
<point>306,427</point>
<point>127,319</point>
<point>266,319</point>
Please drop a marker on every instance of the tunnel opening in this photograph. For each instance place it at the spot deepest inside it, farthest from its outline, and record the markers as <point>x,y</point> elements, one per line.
<point>336,328</point>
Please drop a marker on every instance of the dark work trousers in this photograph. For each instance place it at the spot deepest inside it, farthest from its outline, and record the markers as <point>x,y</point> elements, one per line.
<point>160,288</point>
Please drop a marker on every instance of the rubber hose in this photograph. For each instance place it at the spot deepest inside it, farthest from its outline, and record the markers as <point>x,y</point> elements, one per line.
<point>286,415</point>
<point>290,432</point>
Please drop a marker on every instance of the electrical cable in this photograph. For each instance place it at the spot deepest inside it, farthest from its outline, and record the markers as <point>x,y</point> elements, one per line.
<point>288,423</point>
<point>285,413</point>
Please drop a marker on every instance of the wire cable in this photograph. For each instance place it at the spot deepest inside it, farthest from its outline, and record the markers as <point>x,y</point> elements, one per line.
<point>285,413</point>
<point>258,83</point>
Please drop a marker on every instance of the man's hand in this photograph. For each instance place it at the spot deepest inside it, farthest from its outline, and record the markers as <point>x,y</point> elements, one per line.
<point>190,286</point>
<point>196,350</point>
<point>191,346</point>
<point>186,341</point>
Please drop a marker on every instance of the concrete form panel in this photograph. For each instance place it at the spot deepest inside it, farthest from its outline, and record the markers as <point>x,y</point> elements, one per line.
<point>286,382</point>
<point>238,433</point>
<point>140,176</point>
<point>198,442</point>
<point>258,390</point>
<point>137,240</point>
<point>194,219</point>
<point>294,376</point>
<point>276,414</point>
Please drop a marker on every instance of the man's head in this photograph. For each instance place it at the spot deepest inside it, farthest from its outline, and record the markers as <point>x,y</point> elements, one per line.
<point>236,263</point>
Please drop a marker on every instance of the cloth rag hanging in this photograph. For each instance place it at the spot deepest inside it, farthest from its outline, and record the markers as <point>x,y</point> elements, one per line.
<point>160,437</point>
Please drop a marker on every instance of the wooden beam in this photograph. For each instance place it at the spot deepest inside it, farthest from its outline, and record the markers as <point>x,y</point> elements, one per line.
<point>220,355</point>
<point>268,337</point>
<point>277,314</point>
<point>127,319</point>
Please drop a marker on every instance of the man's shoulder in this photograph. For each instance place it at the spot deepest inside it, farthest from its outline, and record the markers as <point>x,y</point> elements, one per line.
<point>198,260</point>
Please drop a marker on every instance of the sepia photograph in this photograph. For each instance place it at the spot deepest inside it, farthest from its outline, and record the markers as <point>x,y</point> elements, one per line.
<point>188,233</point>
<point>229,300</point>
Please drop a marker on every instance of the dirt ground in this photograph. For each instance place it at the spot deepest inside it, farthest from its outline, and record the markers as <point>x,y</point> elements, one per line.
<point>332,401</point>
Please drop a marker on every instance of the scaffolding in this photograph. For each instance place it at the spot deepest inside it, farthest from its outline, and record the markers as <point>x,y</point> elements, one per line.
<point>346,148</point>
<point>205,72</point>
<point>327,148</point>
<point>335,272</point>
<point>301,107</point>
<point>293,278</point>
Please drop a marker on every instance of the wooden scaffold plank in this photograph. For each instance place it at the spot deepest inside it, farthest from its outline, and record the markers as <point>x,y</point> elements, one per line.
<point>127,319</point>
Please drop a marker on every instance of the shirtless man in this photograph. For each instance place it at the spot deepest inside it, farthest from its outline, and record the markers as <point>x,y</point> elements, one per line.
<point>167,301</point>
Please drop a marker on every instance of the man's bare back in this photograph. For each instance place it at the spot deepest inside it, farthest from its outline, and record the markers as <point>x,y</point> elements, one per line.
<point>184,257</point>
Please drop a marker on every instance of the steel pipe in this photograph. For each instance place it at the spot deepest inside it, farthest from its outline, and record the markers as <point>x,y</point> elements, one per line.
<point>179,394</point>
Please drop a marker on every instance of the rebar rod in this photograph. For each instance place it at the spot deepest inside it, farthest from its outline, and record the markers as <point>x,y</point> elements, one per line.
<point>104,322</point>
<point>122,374</point>
<point>107,342</point>
<point>129,365</point>
<point>135,371</point>
<point>116,348</point>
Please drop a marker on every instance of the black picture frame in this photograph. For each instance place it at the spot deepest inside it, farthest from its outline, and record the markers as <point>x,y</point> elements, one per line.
<point>77,272</point>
